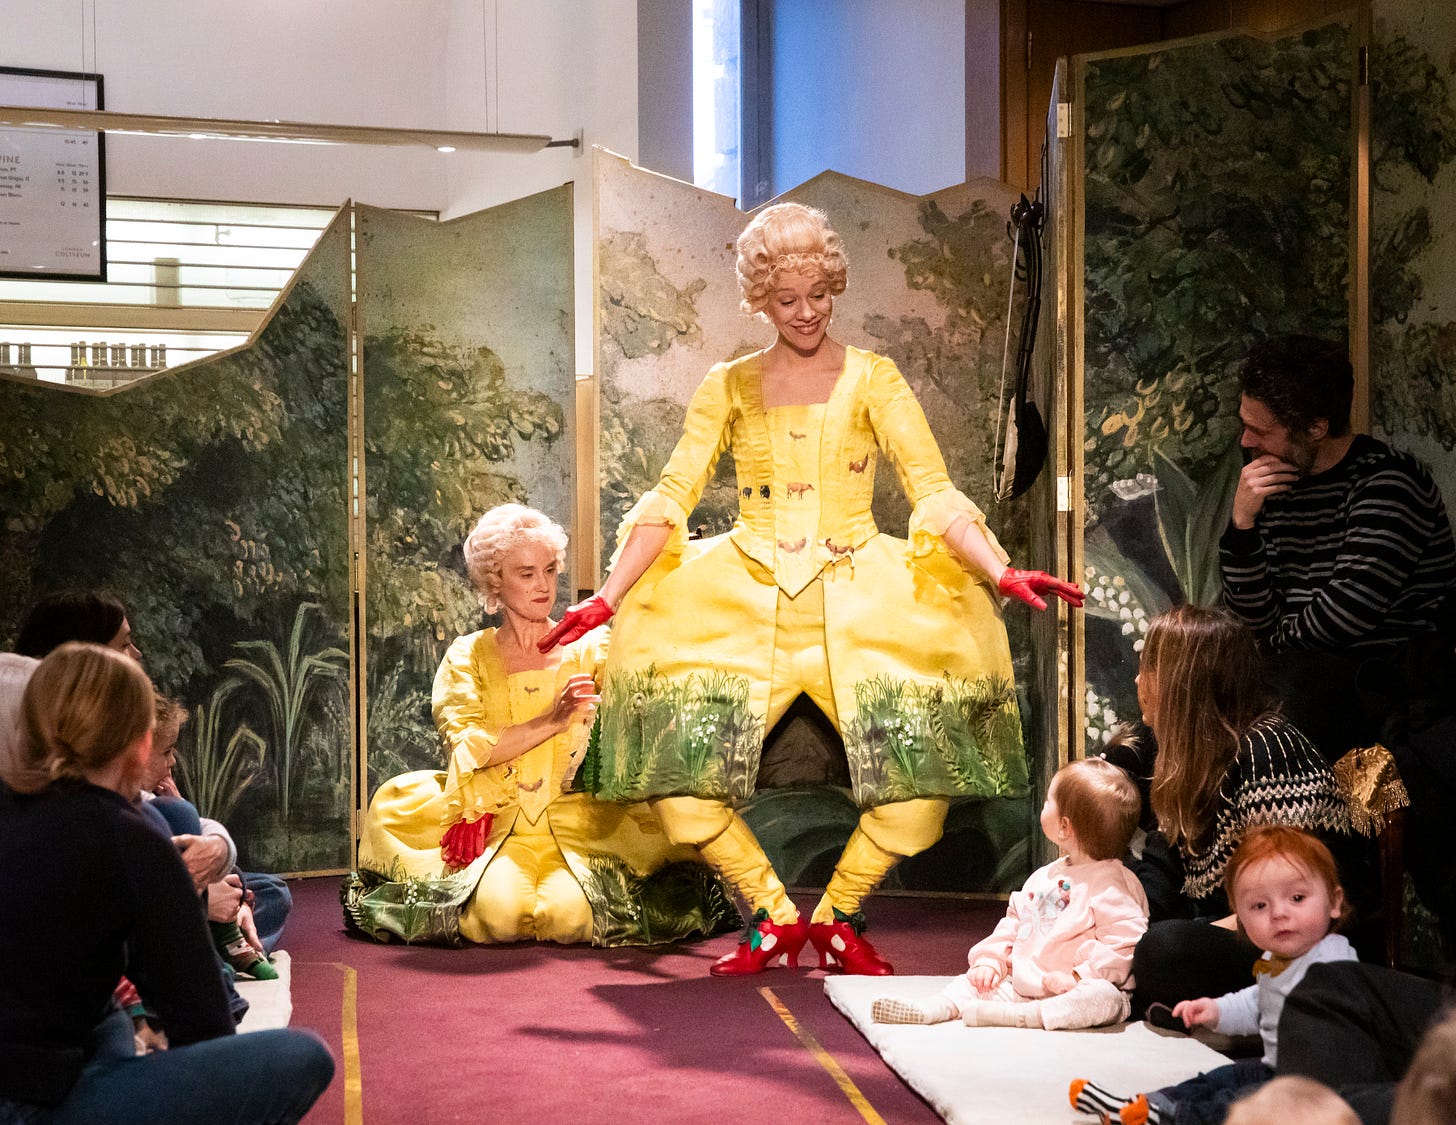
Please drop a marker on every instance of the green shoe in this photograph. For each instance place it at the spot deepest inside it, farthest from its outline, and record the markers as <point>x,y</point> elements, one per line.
<point>261,969</point>
<point>244,960</point>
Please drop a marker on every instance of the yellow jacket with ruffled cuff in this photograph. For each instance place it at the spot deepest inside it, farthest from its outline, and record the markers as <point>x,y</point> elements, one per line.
<point>471,704</point>
<point>871,413</point>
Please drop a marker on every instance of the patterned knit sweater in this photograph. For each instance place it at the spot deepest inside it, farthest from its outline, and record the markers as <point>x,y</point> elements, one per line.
<point>1277,777</point>
<point>1357,557</point>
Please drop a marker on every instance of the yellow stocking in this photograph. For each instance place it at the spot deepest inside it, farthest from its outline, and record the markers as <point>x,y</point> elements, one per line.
<point>885,835</point>
<point>730,848</point>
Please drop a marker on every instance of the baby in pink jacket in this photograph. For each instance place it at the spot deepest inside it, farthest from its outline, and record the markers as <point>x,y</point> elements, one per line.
<point>1062,956</point>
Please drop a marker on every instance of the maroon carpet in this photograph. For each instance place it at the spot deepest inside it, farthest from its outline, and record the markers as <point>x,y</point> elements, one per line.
<point>542,1033</point>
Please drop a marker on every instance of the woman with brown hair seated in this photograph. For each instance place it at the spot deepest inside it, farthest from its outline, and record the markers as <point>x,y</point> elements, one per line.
<point>1226,761</point>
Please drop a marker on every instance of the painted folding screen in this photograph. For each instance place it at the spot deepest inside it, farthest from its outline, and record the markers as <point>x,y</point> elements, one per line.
<point>1061,677</point>
<point>1413,245</point>
<point>1215,186</point>
<point>212,499</point>
<point>468,395</point>
<point>1413,281</point>
<point>928,287</point>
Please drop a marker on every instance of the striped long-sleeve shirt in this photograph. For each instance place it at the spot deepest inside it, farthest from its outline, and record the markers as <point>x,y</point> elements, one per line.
<point>1357,557</point>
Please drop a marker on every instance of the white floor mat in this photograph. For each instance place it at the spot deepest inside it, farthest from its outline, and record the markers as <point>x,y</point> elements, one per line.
<point>975,1075</point>
<point>270,1002</point>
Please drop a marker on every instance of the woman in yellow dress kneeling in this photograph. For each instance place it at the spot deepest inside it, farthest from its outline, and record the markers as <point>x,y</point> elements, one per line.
<point>497,848</point>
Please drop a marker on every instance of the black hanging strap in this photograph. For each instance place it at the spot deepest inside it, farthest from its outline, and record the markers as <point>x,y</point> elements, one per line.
<point>1019,457</point>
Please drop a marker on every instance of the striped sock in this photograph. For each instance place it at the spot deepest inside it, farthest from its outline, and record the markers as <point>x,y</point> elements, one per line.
<point>1090,1098</point>
<point>1139,1111</point>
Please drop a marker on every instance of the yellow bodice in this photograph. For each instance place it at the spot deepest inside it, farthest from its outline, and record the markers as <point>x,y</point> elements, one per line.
<point>799,552</point>
<point>871,413</point>
<point>475,699</point>
<point>537,774</point>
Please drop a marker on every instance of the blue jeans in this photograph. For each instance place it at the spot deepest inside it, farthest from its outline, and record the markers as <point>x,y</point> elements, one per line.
<point>1204,1099</point>
<point>272,899</point>
<point>179,813</point>
<point>257,1078</point>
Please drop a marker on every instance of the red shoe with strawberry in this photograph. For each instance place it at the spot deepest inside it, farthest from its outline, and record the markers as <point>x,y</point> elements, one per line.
<point>764,942</point>
<point>841,946</point>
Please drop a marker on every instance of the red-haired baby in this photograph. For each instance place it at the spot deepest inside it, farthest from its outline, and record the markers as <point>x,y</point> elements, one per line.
<point>1286,892</point>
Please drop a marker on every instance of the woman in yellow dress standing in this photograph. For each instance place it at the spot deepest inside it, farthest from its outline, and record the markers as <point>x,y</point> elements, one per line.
<point>495,848</point>
<point>901,645</point>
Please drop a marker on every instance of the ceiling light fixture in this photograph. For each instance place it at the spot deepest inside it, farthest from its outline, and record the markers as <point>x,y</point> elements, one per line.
<point>286,132</point>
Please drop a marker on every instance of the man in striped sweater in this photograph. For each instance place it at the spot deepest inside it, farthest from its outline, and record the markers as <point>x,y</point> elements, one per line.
<point>1339,551</point>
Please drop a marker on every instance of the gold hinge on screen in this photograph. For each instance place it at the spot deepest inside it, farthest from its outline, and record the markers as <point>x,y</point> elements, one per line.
<point>1064,120</point>
<point>1064,494</point>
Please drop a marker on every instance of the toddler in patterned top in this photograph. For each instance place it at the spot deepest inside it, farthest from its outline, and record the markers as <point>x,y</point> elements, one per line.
<point>1062,956</point>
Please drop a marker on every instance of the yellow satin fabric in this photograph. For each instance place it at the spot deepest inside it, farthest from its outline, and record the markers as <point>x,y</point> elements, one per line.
<point>474,700</point>
<point>868,606</point>
<point>885,835</point>
<point>541,840</point>
<point>872,412</point>
<point>528,891</point>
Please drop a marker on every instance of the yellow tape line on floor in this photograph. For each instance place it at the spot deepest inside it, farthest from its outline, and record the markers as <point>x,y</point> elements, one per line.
<point>349,1034</point>
<point>824,1059</point>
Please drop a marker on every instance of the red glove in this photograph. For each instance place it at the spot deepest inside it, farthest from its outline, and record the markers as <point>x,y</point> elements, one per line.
<point>1025,585</point>
<point>577,622</point>
<point>126,995</point>
<point>464,840</point>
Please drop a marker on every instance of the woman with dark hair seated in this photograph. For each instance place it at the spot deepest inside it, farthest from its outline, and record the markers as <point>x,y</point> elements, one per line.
<point>1226,761</point>
<point>66,1055</point>
<point>97,616</point>
<point>92,615</point>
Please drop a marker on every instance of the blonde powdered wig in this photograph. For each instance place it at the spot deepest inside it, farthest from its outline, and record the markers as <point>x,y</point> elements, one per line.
<point>788,237</point>
<point>500,529</point>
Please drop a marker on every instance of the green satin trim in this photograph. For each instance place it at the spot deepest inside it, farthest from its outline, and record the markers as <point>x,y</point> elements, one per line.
<point>677,902</point>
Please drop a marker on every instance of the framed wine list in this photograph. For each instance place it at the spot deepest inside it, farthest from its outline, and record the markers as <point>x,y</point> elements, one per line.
<point>52,181</point>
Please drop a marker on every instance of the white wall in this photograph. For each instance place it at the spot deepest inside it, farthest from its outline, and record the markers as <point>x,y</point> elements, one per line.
<point>565,66</point>
<point>332,61</point>
<point>870,89</point>
<point>665,87</point>
<point>547,66</point>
